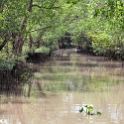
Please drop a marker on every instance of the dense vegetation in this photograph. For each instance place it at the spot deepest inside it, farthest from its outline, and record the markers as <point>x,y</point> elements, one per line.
<point>37,26</point>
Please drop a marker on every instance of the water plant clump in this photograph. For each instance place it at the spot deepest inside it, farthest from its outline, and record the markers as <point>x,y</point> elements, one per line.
<point>88,110</point>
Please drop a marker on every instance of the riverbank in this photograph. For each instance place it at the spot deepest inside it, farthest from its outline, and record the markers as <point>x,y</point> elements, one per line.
<point>13,80</point>
<point>14,75</point>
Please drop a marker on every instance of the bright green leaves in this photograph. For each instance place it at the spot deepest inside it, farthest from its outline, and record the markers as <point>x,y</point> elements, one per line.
<point>88,109</point>
<point>115,9</point>
<point>110,20</point>
<point>112,11</point>
<point>13,14</point>
<point>1,17</point>
<point>60,16</point>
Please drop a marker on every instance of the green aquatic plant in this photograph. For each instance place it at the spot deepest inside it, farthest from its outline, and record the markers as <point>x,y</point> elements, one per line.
<point>88,109</point>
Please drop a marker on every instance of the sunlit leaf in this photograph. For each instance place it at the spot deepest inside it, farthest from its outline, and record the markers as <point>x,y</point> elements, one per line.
<point>1,16</point>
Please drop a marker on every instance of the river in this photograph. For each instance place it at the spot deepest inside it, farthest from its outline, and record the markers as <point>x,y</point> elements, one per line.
<point>65,83</point>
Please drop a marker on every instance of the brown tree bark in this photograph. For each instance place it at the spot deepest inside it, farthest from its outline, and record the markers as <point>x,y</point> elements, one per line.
<point>20,40</point>
<point>4,42</point>
<point>31,42</point>
<point>39,39</point>
<point>29,89</point>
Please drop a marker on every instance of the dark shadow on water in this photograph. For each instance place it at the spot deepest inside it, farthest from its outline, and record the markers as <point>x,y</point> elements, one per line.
<point>79,64</point>
<point>108,65</point>
<point>61,58</point>
<point>39,87</point>
<point>13,80</point>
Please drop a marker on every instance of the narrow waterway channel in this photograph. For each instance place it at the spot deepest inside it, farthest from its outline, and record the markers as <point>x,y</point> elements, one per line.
<point>65,83</point>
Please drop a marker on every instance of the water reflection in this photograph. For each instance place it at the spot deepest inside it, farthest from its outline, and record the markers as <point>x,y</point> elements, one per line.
<point>62,86</point>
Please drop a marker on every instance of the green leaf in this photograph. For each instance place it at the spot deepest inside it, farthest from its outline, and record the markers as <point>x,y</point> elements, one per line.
<point>89,108</point>
<point>98,113</point>
<point>81,110</point>
<point>1,16</point>
<point>89,113</point>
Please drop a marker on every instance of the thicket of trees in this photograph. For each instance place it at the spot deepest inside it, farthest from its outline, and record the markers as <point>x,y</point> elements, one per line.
<point>37,25</point>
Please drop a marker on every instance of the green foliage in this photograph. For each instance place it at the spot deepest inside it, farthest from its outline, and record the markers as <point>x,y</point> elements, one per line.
<point>42,50</point>
<point>4,64</point>
<point>101,42</point>
<point>13,13</point>
<point>47,21</point>
<point>98,113</point>
<point>107,25</point>
<point>112,11</point>
<point>88,109</point>
<point>81,110</point>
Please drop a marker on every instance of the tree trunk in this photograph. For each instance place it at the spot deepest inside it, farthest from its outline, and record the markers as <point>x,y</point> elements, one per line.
<point>20,41</point>
<point>31,42</point>
<point>18,44</point>
<point>4,42</point>
<point>39,39</point>
<point>29,89</point>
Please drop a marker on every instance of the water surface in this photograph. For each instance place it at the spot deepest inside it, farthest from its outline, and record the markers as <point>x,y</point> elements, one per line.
<point>65,83</point>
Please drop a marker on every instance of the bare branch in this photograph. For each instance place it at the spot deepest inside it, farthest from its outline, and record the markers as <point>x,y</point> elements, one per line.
<point>36,5</point>
<point>42,28</point>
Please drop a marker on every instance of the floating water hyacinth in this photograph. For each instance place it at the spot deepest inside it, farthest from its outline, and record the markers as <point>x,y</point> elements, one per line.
<point>88,109</point>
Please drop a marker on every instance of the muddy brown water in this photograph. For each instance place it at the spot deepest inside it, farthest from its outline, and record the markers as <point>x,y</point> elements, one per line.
<point>61,86</point>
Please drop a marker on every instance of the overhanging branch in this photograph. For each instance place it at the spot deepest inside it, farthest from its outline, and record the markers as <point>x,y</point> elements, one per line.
<point>43,7</point>
<point>41,28</point>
